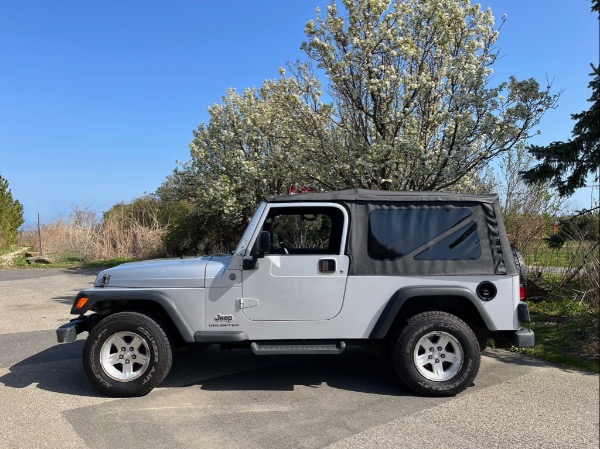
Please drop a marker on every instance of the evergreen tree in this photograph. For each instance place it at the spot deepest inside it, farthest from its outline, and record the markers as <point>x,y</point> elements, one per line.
<point>567,164</point>
<point>11,215</point>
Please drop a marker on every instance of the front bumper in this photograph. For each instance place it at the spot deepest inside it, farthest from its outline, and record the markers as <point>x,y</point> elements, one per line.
<point>68,332</point>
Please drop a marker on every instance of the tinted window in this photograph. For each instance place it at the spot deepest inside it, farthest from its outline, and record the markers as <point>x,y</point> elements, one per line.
<point>393,233</point>
<point>460,245</point>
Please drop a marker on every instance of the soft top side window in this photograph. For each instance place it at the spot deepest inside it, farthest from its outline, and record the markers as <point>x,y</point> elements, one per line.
<point>305,230</point>
<point>394,233</point>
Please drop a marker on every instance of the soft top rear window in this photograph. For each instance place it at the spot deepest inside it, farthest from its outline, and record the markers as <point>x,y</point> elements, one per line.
<point>394,233</point>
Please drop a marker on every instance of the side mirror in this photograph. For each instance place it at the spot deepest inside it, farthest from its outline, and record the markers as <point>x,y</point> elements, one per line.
<point>263,243</point>
<point>262,246</point>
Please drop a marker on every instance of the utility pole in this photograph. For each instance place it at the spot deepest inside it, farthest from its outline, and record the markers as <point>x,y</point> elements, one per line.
<point>40,235</point>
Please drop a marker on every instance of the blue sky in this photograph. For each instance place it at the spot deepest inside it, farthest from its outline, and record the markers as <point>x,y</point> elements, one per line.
<point>99,99</point>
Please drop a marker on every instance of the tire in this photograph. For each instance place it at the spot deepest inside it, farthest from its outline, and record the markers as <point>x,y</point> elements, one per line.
<point>436,354</point>
<point>127,354</point>
<point>520,263</point>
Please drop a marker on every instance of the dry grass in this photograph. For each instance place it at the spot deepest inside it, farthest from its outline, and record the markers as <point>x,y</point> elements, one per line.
<point>7,258</point>
<point>87,238</point>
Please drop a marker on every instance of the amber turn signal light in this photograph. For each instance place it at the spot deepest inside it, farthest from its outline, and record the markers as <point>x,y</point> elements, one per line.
<point>82,302</point>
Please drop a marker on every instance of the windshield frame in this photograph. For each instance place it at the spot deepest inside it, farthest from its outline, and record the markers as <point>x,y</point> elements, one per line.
<point>247,235</point>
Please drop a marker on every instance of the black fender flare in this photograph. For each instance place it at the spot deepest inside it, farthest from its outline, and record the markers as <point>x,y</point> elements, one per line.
<point>398,299</point>
<point>156,296</point>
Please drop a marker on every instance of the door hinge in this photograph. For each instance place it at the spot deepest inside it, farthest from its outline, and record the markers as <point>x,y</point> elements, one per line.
<point>244,303</point>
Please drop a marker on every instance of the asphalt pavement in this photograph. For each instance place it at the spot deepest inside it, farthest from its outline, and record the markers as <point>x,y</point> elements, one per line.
<point>234,399</point>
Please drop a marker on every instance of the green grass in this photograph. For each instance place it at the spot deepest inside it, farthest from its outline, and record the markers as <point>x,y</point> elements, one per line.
<point>544,256</point>
<point>549,257</point>
<point>566,333</point>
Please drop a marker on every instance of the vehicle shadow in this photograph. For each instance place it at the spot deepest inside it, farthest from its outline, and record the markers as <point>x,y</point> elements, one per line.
<point>506,356</point>
<point>59,369</point>
<point>356,370</point>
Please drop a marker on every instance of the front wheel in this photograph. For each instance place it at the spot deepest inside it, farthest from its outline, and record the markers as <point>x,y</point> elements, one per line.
<point>127,354</point>
<point>436,354</point>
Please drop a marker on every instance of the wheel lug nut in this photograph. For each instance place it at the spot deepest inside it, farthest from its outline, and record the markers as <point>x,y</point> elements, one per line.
<point>443,356</point>
<point>436,361</point>
<point>123,349</point>
<point>127,361</point>
<point>131,349</point>
<point>439,348</point>
<point>431,349</point>
<point>133,357</point>
<point>430,357</point>
<point>121,356</point>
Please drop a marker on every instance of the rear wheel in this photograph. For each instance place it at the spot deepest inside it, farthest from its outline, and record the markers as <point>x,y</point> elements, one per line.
<point>436,354</point>
<point>127,354</point>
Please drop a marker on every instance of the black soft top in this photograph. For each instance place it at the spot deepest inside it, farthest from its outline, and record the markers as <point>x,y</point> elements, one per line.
<point>496,257</point>
<point>381,195</point>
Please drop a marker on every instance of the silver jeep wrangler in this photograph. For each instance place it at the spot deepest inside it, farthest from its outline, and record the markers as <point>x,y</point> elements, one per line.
<point>423,277</point>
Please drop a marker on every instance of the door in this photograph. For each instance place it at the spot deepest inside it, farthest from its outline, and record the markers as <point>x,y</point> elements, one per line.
<point>303,277</point>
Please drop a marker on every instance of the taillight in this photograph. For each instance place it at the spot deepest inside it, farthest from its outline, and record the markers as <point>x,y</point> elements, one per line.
<point>523,292</point>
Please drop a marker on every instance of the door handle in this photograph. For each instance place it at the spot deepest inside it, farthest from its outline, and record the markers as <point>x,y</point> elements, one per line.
<point>327,266</point>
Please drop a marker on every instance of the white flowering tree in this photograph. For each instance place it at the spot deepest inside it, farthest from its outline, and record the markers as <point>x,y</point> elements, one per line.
<point>393,95</point>
<point>413,105</point>
<point>237,160</point>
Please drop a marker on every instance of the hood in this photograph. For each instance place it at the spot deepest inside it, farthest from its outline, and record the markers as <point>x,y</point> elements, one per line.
<point>163,273</point>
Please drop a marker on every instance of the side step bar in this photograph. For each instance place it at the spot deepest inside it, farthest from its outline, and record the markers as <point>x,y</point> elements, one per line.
<point>275,348</point>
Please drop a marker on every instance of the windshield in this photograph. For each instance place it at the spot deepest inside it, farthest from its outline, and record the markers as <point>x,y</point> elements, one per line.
<point>241,248</point>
